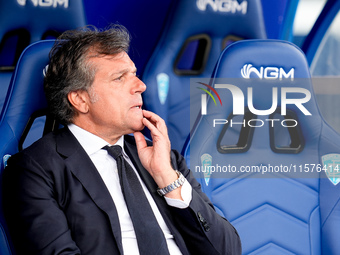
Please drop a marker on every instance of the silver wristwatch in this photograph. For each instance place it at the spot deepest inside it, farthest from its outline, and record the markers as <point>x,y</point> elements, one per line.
<point>176,184</point>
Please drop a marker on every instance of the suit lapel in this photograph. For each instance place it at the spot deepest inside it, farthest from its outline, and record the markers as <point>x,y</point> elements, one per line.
<point>84,170</point>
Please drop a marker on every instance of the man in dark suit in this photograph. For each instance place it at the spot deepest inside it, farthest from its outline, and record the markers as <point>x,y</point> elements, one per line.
<point>62,195</point>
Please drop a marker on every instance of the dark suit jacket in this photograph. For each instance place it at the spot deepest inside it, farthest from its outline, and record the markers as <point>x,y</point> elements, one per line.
<point>55,202</point>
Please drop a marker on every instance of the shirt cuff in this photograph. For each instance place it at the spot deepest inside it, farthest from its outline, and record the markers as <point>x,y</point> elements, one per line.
<point>186,193</point>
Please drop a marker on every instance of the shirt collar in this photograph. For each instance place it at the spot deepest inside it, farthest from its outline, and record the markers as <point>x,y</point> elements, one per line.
<point>90,142</point>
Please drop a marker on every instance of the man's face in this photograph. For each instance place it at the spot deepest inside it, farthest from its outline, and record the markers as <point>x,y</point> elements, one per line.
<point>115,107</point>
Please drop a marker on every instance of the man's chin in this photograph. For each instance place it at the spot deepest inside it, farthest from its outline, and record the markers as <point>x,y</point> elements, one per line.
<point>139,127</point>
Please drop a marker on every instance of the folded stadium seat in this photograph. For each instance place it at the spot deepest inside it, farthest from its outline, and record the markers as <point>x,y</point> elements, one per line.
<point>263,153</point>
<point>24,102</point>
<point>23,22</point>
<point>192,39</point>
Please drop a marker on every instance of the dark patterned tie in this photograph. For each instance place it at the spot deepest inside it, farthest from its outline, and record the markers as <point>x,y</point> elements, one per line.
<point>150,237</point>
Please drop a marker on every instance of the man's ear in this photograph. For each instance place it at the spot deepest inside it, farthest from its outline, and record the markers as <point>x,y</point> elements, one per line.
<point>79,99</point>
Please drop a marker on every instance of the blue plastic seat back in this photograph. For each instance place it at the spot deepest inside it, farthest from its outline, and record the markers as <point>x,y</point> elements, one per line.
<point>23,22</point>
<point>319,33</point>
<point>264,170</point>
<point>40,18</point>
<point>279,18</point>
<point>25,98</point>
<point>194,36</point>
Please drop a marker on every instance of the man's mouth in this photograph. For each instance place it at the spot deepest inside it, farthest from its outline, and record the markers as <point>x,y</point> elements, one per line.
<point>139,106</point>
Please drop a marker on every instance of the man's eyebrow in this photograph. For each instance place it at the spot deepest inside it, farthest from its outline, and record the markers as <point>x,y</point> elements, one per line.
<point>127,70</point>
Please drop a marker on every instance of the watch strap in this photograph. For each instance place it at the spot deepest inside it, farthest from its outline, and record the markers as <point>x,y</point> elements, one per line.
<point>172,186</point>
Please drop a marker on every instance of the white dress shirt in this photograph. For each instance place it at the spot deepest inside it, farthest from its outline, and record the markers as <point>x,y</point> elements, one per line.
<point>107,168</point>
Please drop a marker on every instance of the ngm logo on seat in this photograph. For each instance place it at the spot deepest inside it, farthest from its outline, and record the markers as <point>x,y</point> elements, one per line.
<point>232,6</point>
<point>269,73</point>
<point>45,3</point>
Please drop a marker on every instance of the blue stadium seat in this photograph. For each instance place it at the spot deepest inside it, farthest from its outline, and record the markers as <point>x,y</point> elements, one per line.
<point>270,164</point>
<point>279,18</point>
<point>322,50</point>
<point>191,41</point>
<point>319,30</point>
<point>24,101</point>
<point>23,22</point>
